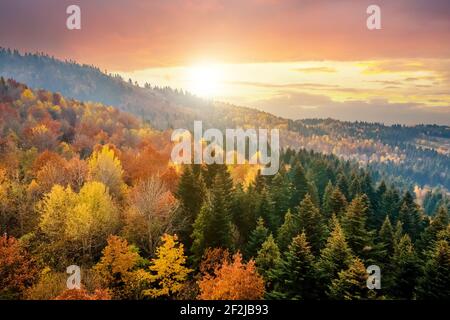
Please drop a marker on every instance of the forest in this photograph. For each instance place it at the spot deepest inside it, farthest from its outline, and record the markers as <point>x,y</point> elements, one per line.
<point>400,153</point>
<point>85,184</point>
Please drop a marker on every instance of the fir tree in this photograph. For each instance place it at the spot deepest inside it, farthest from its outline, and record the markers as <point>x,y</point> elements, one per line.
<point>280,193</point>
<point>295,277</point>
<point>268,257</point>
<point>435,283</point>
<point>354,226</point>
<point>288,230</point>
<point>191,194</point>
<point>335,257</point>
<point>257,238</point>
<point>212,228</point>
<point>405,270</point>
<point>310,222</point>
<point>300,185</point>
<point>351,283</point>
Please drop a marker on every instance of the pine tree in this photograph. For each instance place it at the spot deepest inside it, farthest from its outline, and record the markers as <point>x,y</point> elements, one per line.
<point>351,283</point>
<point>435,283</point>
<point>405,270</point>
<point>326,209</point>
<point>268,257</point>
<point>288,230</point>
<point>354,226</point>
<point>280,193</point>
<point>191,194</point>
<point>300,185</point>
<point>335,257</point>
<point>266,210</point>
<point>387,241</point>
<point>212,228</point>
<point>334,203</point>
<point>410,216</point>
<point>310,222</point>
<point>257,238</point>
<point>438,224</point>
<point>342,184</point>
<point>295,277</point>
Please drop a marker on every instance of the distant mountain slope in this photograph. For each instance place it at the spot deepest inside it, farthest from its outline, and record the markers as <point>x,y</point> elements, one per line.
<point>419,154</point>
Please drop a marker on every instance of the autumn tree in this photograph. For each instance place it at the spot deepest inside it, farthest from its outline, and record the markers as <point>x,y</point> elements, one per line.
<point>232,281</point>
<point>105,167</point>
<point>150,214</point>
<point>116,267</point>
<point>17,268</point>
<point>168,270</point>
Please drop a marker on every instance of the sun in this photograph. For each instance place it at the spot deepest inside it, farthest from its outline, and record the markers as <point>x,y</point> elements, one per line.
<point>205,80</point>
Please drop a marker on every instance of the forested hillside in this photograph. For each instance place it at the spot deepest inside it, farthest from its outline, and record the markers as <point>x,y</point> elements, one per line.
<point>406,155</point>
<point>85,184</point>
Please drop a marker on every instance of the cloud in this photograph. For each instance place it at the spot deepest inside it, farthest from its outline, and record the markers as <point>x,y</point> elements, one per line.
<point>316,70</point>
<point>298,105</point>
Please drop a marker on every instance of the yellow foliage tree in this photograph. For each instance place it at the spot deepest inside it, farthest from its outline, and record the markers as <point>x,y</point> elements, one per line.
<point>168,270</point>
<point>106,168</point>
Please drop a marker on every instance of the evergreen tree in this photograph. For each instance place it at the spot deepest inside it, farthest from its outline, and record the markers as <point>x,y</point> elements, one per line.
<point>280,193</point>
<point>410,216</point>
<point>335,257</point>
<point>354,226</point>
<point>257,238</point>
<point>351,283</point>
<point>212,228</point>
<point>191,194</point>
<point>435,283</point>
<point>438,224</point>
<point>386,237</point>
<point>310,222</point>
<point>295,277</point>
<point>342,184</point>
<point>334,203</point>
<point>266,210</point>
<point>405,270</point>
<point>300,185</point>
<point>268,257</point>
<point>288,230</point>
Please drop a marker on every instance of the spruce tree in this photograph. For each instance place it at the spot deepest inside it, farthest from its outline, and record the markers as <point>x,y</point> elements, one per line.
<point>334,257</point>
<point>334,203</point>
<point>257,238</point>
<point>351,283</point>
<point>386,237</point>
<point>299,184</point>
<point>213,227</point>
<point>405,270</point>
<point>310,222</point>
<point>191,193</point>
<point>438,224</point>
<point>288,230</point>
<point>410,216</point>
<point>295,277</point>
<point>354,226</point>
<point>280,194</point>
<point>435,283</point>
<point>268,257</point>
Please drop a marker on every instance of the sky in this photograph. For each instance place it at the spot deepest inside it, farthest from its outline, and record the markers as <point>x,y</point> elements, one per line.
<point>294,58</point>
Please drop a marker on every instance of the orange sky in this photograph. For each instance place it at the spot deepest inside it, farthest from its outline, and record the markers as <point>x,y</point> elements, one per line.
<point>295,58</point>
<point>136,34</point>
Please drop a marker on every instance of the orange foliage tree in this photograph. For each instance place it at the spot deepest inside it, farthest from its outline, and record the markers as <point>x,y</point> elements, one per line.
<point>232,281</point>
<point>17,270</point>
